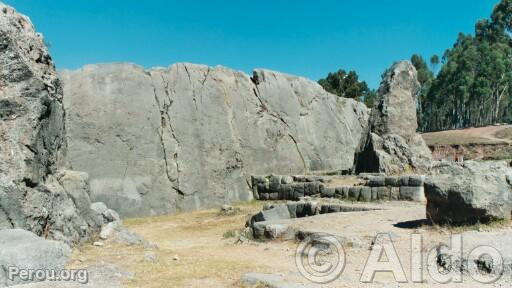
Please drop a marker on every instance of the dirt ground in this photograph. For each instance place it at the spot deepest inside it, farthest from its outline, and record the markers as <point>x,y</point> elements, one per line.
<point>198,249</point>
<point>482,135</point>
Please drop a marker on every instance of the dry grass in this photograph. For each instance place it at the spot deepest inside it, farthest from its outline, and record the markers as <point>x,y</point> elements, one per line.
<point>481,135</point>
<point>487,227</point>
<point>198,239</point>
<point>207,255</point>
<point>451,138</point>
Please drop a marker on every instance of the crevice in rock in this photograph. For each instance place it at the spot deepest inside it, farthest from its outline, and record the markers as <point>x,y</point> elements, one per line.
<point>191,86</point>
<point>265,107</point>
<point>206,76</point>
<point>30,183</point>
<point>162,143</point>
<point>239,162</point>
<point>166,90</point>
<point>175,156</point>
<point>262,105</point>
<point>30,148</point>
<point>188,74</point>
<point>9,219</point>
<point>180,197</point>
<point>300,153</point>
<point>165,119</point>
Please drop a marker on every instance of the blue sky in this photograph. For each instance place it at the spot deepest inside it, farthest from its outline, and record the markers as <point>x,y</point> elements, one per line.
<point>306,38</point>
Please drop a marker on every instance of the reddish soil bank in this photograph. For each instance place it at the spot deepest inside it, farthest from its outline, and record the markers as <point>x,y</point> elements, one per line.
<point>471,152</point>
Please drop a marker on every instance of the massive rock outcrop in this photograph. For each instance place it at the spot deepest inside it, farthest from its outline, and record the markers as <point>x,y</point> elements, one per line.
<point>188,137</point>
<point>393,146</point>
<point>31,136</point>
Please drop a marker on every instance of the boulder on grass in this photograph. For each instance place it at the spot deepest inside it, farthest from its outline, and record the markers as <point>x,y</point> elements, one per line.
<point>279,212</point>
<point>469,192</point>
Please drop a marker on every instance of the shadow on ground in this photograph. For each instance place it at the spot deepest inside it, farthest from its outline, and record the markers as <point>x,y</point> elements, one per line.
<point>413,224</point>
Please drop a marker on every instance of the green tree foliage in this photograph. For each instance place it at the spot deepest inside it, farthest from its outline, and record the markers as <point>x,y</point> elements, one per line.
<point>434,62</point>
<point>473,86</point>
<point>348,85</point>
<point>425,77</point>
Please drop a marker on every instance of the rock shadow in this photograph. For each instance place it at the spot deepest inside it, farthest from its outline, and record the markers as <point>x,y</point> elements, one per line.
<point>413,224</point>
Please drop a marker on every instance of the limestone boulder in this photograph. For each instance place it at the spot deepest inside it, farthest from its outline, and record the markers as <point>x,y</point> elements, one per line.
<point>469,192</point>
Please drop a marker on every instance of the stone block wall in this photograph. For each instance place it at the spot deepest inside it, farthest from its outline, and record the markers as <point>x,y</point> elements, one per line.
<point>372,188</point>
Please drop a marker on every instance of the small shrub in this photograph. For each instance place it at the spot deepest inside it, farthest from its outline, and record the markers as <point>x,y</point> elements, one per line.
<point>230,234</point>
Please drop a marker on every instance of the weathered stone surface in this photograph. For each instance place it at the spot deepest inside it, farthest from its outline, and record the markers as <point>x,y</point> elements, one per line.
<point>383,193</point>
<point>366,194</point>
<point>395,110</point>
<point>404,181</point>
<point>393,146</point>
<point>338,192</point>
<point>469,192</point>
<point>99,207</point>
<point>376,181</point>
<point>353,193</point>
<point>34,196</point>
<point>276,231</point>
<point>188,137</point>
<point>108,230</point>
<point>287,180</point>
<point>311,188</point>
<point>76,184</point>
<point>276,213</point>
<point>416,180</point>
<point>375,193</point>
<point>24,250</point>
<point>411,193</point>
<point>327,192</point>
<point>344,192</point>
<point>391,181</point>
<point>394,193</point>
<point>302,209</point>
<point>31,117</point>
<point>275,182</point>
<point>286,192</point>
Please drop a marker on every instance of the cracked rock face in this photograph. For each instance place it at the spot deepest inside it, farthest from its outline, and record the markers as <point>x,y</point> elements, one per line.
<point>189,136</point>
<point>31,138</point>
<point>31,115</point>
<point>393,146</point>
